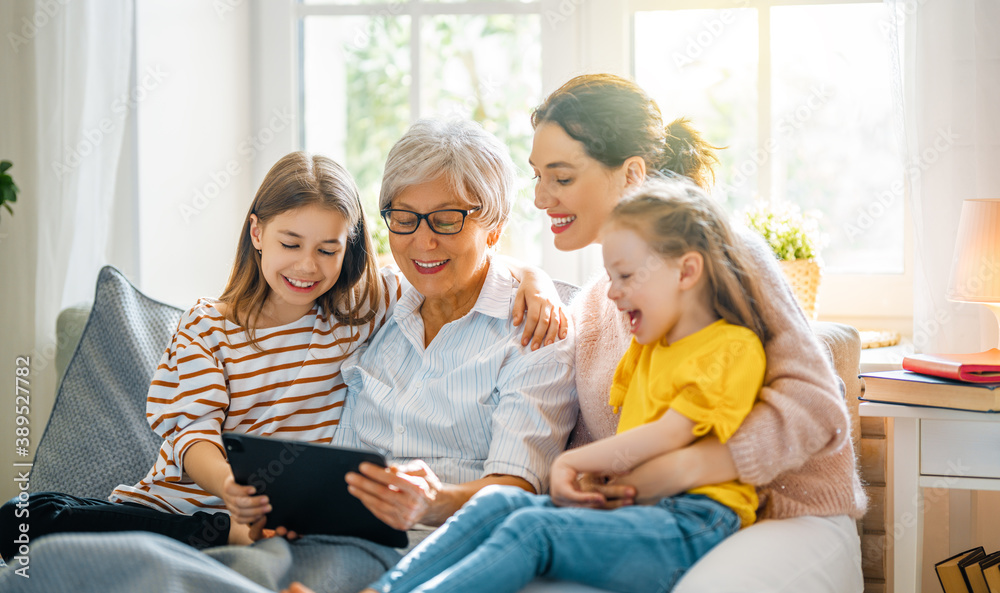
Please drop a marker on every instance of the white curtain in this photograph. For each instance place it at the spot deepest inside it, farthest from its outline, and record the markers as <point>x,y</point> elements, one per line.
<point>950,92</point>
<point>84,138</point>
<point>84,61</point>
<point>68,124</point>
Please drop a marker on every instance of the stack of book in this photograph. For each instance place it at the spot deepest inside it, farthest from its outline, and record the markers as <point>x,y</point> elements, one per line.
<point>972,571</point>
<point>977,367</point>
<point>956,381</point>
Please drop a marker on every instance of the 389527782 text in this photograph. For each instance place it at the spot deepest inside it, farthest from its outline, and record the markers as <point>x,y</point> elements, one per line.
<point>22,469</point>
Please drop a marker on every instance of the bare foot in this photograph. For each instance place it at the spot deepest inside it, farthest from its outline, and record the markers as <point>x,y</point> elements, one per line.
<point>297,587</point>
<point>239,534</point>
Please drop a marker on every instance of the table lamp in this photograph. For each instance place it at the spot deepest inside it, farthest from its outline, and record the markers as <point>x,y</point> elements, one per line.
<point>975,269</point>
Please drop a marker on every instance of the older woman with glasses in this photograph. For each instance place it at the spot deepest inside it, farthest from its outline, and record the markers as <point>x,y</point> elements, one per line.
<point>445,391</point>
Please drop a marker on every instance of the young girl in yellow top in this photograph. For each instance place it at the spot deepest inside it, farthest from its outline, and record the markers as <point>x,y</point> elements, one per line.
<point>305,291</point>
<point>695,367</point>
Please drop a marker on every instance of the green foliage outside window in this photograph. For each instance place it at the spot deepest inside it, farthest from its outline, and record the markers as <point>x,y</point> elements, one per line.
<point>497,87</point>
<point>791,234</point>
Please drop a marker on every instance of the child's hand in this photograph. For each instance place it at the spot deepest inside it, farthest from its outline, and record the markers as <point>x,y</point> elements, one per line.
<point>616,494</point>
<point>297,587</point>
<point>257,532</point>
<point>567,490</point>
<point>241,503</point>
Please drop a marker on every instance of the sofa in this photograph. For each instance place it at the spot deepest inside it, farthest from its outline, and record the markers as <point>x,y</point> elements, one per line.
<point>106,363</point>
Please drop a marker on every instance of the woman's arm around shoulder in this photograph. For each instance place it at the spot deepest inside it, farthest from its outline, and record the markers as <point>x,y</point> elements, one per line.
<point>801,410</point>
<point>537,304</point>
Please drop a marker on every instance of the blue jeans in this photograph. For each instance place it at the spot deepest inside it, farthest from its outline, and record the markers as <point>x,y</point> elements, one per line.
<point>504,537</point>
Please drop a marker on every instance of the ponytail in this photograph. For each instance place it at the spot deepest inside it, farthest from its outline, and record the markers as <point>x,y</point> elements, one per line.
<point>686,152</point>
<point>615,120</point>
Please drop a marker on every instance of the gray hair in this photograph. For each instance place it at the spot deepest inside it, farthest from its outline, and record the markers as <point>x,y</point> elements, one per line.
<point>475,162</point>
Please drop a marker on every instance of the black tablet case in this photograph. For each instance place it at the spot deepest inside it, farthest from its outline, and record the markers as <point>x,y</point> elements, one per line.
<point>306,487</point>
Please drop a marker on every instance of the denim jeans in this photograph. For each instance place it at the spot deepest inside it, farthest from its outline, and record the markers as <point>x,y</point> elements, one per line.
<point>53,512</point>
<point>504,537</point>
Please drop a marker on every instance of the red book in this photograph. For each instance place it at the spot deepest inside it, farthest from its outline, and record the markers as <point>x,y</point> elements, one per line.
<point>977,367</point>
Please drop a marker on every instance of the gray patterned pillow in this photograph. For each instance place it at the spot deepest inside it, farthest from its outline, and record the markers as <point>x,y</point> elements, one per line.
<point>97,436</point>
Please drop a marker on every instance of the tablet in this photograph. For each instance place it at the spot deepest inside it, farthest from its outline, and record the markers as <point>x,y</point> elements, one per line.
<point>305,485</point>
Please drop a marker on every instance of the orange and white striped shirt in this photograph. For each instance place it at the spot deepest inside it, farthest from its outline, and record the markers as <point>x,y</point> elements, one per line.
<point>210,381</point>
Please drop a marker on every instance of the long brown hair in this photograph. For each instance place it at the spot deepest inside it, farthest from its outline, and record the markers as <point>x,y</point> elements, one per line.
<point>675,216</point>
<point>299,179</point>
<point>615,120</point>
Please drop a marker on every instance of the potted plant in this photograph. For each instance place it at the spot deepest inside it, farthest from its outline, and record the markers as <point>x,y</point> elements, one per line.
<point>8,190</point>
<point>795,239</point>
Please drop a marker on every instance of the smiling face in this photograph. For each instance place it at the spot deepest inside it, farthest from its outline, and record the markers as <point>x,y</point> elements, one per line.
<point>575,190</point>
<point>302,252</point>
<point>441,267</point>
<point>644,284</point>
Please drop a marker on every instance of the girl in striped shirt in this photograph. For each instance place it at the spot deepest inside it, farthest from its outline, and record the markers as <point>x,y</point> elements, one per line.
<point>263,359</point>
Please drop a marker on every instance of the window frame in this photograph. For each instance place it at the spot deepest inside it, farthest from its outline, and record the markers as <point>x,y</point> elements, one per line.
<point>883,301</point>
<point>578,36</point>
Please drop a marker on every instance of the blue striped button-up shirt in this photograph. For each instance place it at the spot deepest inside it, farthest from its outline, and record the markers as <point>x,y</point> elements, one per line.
<point>474,402</point>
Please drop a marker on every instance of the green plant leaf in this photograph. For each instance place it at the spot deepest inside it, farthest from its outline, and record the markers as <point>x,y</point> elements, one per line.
<point>7,206</point>
<point>791,234</point>
<point>4,165</point>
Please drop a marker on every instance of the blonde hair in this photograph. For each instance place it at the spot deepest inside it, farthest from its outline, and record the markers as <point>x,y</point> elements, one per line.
<point>615,120</point>
<point>675,217</point>
<point>299,179</point>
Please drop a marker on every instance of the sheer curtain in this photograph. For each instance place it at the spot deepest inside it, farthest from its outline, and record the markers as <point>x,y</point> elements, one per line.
<point>79,144</point>
<point>84,61</point>
<point>950,92</point>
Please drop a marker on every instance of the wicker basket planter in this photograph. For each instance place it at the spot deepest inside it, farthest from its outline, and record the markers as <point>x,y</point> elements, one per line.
<point>804,276</point>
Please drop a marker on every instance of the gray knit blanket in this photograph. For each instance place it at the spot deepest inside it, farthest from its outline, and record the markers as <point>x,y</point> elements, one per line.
<point>147,563</point>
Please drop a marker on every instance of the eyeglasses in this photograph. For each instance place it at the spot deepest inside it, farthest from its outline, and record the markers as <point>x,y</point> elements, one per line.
<point>442,222</point>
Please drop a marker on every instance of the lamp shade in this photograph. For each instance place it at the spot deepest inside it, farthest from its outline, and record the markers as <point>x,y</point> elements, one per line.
<point>975,269</point>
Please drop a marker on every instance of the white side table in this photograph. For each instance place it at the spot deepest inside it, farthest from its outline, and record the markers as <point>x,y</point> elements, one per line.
<point>932,448</point>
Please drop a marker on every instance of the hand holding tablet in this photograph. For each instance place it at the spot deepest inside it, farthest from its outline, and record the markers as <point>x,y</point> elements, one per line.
<point>306,487</point>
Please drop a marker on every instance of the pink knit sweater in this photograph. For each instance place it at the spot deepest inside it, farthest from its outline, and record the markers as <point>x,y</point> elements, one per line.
<point>795,445</point>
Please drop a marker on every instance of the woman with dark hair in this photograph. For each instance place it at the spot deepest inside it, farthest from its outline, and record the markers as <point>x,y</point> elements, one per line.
<point>597,138</point>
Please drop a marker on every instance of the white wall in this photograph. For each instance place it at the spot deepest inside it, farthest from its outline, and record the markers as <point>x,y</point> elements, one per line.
<point>192,101</point>
<point>195,150</point>
<point>18,236</point>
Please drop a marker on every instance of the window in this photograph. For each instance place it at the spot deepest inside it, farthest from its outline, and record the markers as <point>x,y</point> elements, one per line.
<point>368,71</point>
<point>798,90</point>
<point>800,93</point>
<point>801,97</point>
